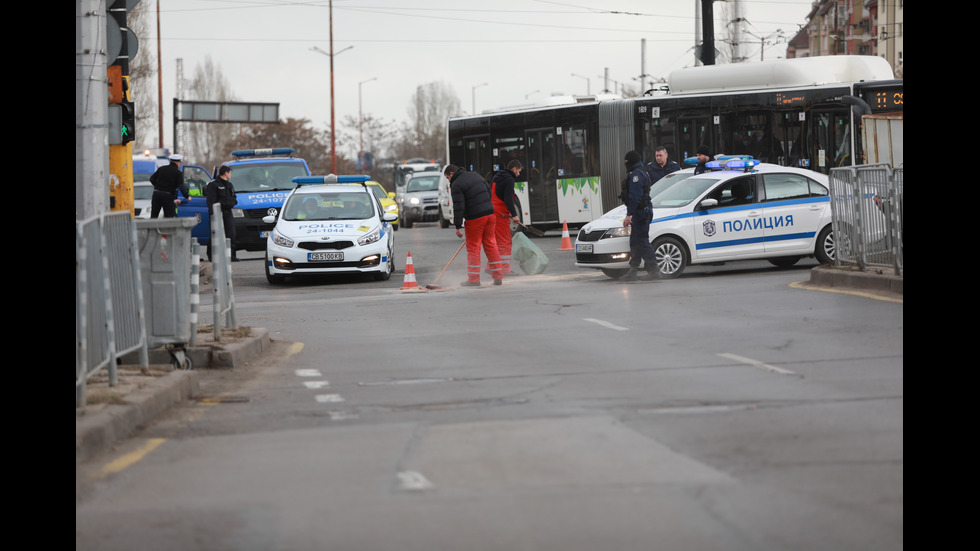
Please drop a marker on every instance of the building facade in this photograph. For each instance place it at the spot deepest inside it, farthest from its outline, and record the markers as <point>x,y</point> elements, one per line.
<point>853,27</point>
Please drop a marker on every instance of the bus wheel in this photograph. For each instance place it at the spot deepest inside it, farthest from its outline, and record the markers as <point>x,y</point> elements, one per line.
<point>670,256</point>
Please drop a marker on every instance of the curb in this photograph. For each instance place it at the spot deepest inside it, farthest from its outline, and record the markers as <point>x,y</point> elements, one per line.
<point>114,422</point>
<point>99,427</point>
<point>831,276</point>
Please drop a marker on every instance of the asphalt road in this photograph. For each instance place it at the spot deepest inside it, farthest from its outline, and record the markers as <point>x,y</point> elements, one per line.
<point>726,409</point>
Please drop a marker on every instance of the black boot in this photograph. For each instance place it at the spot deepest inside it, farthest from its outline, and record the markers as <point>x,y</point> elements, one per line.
<point>630,275</point>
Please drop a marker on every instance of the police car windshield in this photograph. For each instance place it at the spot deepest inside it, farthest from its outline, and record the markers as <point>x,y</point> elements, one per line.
<point>328,206</point>
<point>667,182</point>
<point>683,193</point>
<point>423,183</point>
<point>265,176</point>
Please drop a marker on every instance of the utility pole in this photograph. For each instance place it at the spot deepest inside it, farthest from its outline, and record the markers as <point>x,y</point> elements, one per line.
<point>91,110</point>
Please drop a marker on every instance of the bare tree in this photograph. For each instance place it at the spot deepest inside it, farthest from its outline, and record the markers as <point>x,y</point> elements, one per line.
<point>208,142</point>
<point>142,76</point>
<point>429,110</point>
<point>310,144</point>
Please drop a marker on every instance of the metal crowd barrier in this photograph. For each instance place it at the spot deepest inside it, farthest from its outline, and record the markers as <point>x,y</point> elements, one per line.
<point>109,314</point>
<point>224,295</point>
<point>867,207</point>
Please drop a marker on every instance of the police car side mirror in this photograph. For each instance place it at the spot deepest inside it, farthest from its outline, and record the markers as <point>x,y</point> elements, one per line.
<point>708,203</point>
<point>269,219</point>
<point>390,217</point>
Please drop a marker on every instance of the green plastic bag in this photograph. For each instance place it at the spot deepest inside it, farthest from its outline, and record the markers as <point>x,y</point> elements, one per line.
<point>532,260</point>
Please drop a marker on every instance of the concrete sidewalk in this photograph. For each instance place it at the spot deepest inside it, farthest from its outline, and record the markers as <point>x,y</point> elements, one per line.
<point>113,413</point>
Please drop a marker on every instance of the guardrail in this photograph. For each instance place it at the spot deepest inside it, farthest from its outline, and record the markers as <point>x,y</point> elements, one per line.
<point>109,314</point>
<point>867,207</point>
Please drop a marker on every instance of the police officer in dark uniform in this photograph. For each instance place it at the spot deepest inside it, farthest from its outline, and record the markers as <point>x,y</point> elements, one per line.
<point>221,191</point>
<point>704,155</point>
<point>166,181</point>
<point>639,213</point>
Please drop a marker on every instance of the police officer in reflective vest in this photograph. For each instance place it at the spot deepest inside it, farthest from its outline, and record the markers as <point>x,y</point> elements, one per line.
<point>639,213</point>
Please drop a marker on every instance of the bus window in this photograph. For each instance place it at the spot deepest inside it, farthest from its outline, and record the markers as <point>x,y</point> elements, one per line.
<point>573,157</point>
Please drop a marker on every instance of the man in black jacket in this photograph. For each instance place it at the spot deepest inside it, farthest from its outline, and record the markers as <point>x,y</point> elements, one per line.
<point>222,191</point>
<point>661,165</point>
<point>166,181</point>
<point>471,202</point>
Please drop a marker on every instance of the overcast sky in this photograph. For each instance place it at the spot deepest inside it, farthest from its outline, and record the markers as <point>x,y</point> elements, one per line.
<point>502,52</point>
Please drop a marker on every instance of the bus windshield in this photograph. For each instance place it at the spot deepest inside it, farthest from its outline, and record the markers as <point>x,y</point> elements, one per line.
<point>266,176</point>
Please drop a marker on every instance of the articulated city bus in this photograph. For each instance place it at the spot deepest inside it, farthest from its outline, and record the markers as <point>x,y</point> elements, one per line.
<point>794,112</point>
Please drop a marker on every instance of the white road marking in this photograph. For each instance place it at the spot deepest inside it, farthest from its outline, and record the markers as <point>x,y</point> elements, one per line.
<point>412,480</point>
<point>341,415</point>
<point>757,363</point>
<point>316,384</point>
<point>308,373</point>
<point>329,398</point>
<point>606,324</point>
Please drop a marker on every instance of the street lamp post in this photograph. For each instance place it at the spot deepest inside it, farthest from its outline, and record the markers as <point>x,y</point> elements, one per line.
<point>360,125</point>
<point>474,94</point>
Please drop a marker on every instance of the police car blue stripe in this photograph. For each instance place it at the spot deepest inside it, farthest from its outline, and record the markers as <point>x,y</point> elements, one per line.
<point>748,241</point>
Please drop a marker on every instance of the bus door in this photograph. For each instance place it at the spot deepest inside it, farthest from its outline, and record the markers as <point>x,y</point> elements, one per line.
<point>691,133</point>
<point>788,142</point>
<point>541,172</point>
<point>832,138</point>
<point>476,155</point>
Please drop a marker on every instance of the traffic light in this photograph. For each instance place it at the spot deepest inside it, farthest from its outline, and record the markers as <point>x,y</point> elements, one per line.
<point>127,126</point>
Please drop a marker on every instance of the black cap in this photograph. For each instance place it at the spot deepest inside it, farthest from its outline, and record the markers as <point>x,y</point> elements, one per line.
<point>632,158</point>
<point>703,150</point>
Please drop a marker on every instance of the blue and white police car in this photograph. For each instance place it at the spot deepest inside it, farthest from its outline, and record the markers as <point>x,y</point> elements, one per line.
<point>262,179</point>
<point>329,225</point>
<point>740,210</point>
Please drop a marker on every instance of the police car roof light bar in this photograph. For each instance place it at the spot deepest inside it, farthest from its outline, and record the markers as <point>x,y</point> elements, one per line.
<point>331,179</point>
<point>263,152</point>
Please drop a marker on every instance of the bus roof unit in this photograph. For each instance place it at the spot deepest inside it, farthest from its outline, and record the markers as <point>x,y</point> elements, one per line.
<point>781,73</point>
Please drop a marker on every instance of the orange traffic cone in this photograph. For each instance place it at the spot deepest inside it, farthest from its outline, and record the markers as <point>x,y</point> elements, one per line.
<point>410,274</point>
<point>566,242</point>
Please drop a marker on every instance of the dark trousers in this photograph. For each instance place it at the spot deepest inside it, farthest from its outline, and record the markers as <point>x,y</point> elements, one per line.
<point>229,223</point>
<point>640,247</point>
<point>164,201</point>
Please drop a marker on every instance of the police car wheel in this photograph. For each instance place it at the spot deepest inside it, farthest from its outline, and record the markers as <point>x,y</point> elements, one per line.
<point>614,273</point>
<point>670,256</point>
<point>784,261</point>
<point>443,223</point>
<point>826,250</point>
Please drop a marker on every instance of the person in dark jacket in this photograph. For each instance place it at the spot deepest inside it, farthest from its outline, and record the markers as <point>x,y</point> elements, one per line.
<point>221,191</point>
<point>639,213</point>
<point>704,155</point>
<point>167,180</point>
<point>661,165</point>
<point>504,209</point>
<point>472,203</point>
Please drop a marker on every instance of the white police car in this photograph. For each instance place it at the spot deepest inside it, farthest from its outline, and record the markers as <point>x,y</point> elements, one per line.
<point>740,210</point>
<point>330,224</point>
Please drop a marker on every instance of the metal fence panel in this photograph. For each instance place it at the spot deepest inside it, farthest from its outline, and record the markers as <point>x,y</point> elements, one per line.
<point>108,302</point>
<point>866,202</point>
